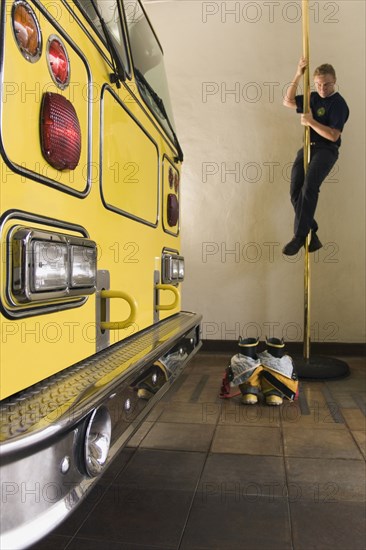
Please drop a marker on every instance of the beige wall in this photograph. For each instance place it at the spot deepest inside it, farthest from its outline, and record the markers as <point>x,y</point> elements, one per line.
<point>228,63</point>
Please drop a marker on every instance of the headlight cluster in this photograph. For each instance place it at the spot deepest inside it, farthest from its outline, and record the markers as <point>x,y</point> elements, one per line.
<point>172,268</point>
<point>47,265</point>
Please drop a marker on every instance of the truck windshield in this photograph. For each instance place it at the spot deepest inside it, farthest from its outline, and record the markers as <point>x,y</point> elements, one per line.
<point>109,11</point>
<point>148,61</point>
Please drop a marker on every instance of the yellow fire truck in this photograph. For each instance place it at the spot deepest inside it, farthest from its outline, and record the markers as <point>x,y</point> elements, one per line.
<point>92,332</point>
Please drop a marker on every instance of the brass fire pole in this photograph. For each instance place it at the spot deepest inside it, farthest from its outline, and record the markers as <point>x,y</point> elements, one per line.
<point>306,108</point>
<point>320,367</point>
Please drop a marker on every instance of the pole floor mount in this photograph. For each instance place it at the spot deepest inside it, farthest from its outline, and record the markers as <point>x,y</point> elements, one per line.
<point>320,368</point>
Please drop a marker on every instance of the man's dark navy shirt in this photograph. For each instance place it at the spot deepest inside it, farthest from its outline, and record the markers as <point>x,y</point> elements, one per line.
<point>331,111</point>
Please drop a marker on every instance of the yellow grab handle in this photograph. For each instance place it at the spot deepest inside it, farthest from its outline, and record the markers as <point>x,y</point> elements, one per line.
<point>118,325</point>
<point>176,297</point>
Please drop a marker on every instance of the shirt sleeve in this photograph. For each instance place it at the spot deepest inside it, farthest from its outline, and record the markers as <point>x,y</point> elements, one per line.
<point>338,115</point>
<point>299,103</point>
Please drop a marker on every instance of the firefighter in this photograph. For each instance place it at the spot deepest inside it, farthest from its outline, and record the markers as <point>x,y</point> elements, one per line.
<point>326,119</point>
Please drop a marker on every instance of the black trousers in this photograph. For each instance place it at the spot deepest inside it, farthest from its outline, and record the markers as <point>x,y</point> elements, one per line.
<point>304,190</point>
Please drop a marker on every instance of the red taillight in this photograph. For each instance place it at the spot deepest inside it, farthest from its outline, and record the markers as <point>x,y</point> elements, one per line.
<point>172,210</point>
<point>58,62</point>
<point>60,132</point>
<point>26,30</point>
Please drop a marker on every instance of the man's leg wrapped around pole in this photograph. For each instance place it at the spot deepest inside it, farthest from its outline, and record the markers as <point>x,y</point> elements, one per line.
<point>323,159</point>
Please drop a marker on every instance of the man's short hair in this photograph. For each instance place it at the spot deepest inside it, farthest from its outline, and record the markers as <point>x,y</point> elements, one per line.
<point>325,69</point>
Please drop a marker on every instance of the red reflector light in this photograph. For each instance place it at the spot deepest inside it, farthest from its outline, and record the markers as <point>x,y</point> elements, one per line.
<point>58,62</point>
<point>172,210</point>
<point>26,31</point>
<point>60,132</point>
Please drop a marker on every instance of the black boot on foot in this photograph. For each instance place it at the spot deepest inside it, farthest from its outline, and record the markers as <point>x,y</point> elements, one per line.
<point>315,243</point>
<point>292,248</point>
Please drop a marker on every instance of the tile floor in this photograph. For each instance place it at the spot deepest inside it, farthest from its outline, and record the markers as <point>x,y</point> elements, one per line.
<point>204,473</point>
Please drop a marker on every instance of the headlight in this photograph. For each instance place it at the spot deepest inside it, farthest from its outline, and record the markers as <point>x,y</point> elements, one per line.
<point>47,266</point>
<point>83,266</point>
<point>172,268</point>
<point>181,270</point>
<point>49,269</point>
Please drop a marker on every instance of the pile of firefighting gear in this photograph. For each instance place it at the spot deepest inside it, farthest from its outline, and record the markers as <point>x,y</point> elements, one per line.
<point>270,373</point>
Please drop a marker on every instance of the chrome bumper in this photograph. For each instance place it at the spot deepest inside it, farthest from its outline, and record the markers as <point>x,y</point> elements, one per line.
<point>43,473</point>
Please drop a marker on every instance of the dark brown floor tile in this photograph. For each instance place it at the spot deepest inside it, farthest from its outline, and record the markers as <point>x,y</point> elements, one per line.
<point>314,395</point>
<point>79,543</point>
<point>355,419</point>
<point>320,444</point>
<point>79,515</point>
<point>345,397</point>
<point>328,526</point>
<point>198,389</point>
<point>355,363</point>
<point>54,542</point>
<point>233,412</point>
<point>237,523</point>
<point>210,393</point>
<point>156,412</point>
<point>247,440</point>
<point>234,475</point>
<point>326,480</point>
<point>191,413</point>
<point>185,391</point>
<point>140,434</point>
<point>317,417</point>
<point>140,517</point>
<point>68,527</point>
<point>185,437</point>
<point>360,438</point>
<point>117,465</point>
<point>156,469</point>
<point>207,362</point>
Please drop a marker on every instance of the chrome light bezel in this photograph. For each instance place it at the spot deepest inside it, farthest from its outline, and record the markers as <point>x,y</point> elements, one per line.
<point>24,287</point>
<point>97,441</point>
<point>31,57</point>
<point>55,38</point>
<point>172,268</point>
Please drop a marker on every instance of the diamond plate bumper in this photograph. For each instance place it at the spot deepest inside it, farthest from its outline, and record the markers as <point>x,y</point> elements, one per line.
<point>42,430</point>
